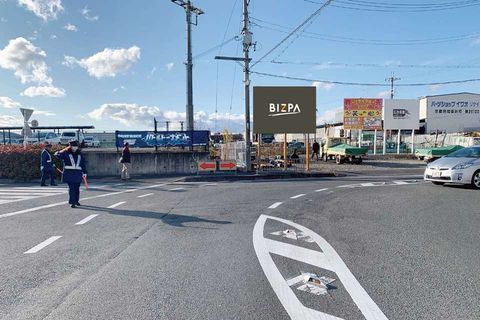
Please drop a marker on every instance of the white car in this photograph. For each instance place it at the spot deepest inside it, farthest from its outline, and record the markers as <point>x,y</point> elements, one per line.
<point>41,137</point>
<point>68,136</point>
<point>461,167</point>
<point>90,141</point>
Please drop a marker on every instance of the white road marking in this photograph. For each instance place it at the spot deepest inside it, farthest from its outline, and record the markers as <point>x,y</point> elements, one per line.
<point>275,205</point>
<point>116,204</point>
<point>16,194</point>
<point>398,182</point>
<point>176,189</point>
<point>52,205</point>
<point>328,259</point>
<point>145,195</point>
<point>90,217</point>
<point>209,185</point>
<point>297,196</point>
<point>320,190</point>
<point>42,245</point>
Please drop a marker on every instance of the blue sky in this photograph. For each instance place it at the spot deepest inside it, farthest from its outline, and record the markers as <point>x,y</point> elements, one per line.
<point>116,64</point>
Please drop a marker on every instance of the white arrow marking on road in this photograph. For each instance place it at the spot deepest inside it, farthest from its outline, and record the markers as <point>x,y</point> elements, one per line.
<point>320,190</point>
<point>90,217</point>
<point>328,260</point>
<point>297,196</point>
<point>275,205</point>
<point>42,245</point>
<point>116,204</point>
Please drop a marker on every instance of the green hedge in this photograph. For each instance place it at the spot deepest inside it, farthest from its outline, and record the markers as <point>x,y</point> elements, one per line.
<point>20,164</point>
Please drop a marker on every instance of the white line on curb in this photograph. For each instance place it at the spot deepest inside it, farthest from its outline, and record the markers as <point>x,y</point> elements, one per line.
<point>42,245</point>
<point>145,195</point>
<point>275,205</point>
<point>297,196</point>
<point>90,217</point>
<point>320,190</point>
<point>5,215</point>
<point>116,204</point>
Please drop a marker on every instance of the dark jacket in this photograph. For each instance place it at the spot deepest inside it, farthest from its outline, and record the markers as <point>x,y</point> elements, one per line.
<point>316,147</point>
<point>46,163</point>
<point>73,166</point>
<point>125,155</point>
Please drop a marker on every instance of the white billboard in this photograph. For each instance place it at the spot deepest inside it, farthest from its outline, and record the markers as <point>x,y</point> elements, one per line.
<point>401,114</point>
<point>453,112</point>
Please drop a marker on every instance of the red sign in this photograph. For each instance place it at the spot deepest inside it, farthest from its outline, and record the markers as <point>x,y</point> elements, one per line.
<point>228,165</point>
<point>363,114</point>
<point>207,166</point>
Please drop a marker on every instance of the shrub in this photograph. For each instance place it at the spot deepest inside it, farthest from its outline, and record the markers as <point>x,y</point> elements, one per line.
<point>20,164</point>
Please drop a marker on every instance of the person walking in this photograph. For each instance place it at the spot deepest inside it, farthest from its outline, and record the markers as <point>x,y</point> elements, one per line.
<point>125,160</point>
<point>74,170</point>
<point>316,149</point>
<point>47,167</point>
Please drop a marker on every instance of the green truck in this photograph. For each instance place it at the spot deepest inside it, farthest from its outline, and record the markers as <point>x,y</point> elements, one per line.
<point>337,149</point>
<point>431,154</point>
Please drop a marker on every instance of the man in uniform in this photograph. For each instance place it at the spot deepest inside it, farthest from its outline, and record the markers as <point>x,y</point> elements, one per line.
<point>46,165</point>
<point>74,170</point>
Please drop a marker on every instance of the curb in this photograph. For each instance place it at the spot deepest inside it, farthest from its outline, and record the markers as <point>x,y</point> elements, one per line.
<point>243,177</point>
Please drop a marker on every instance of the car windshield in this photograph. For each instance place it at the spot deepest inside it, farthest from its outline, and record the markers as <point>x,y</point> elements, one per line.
<point>466,153</point>
<point>69,134</point>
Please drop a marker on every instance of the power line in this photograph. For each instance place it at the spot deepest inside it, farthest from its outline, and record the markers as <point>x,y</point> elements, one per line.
<point>363,83</point>
<point>381,42</point>
<point>375,65</point>
<point>312,16</point>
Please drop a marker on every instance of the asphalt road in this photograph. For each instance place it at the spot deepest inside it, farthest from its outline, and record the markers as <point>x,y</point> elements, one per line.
<point>397,248</point>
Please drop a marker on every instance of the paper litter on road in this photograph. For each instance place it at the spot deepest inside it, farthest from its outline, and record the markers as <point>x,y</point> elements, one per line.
<point>292,234</point>
<point>312,283</point>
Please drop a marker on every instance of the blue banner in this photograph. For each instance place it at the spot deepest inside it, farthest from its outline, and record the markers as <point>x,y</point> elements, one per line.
<point>145,139</point>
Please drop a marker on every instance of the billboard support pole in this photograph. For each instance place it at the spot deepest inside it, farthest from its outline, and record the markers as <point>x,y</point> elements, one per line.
<point>360,133</point>
<point>398,141</point>
<point>413,141</point>
<point>375,143</point>
<point>285,152</point>
<point>307,149</point>
<point>384,141</point>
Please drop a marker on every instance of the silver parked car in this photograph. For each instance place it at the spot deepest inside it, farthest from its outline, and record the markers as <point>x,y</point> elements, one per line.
<point>462,167</point>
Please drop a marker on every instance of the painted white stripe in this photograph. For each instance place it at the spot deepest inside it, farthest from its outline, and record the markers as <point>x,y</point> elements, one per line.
<point>295,280</point>
<point>31,193</point>
<point>297,196</point>
<point>145,195</point>
<point>52,205</point>
<point>116,204</point>
<point>90,217</point>
<point>368,184</point>
<point>41,189</point>
<point>275,205</point>
<point>176,189</point>
<point>42,245</point>
<point>401,182</point>
<point>320,190</point>
<point>209,185</point>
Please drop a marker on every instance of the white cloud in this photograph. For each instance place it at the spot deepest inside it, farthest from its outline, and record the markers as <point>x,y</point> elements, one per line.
<point>86,14</point>
<point>119,88</point>
<point>21,56</point>
<point>9,103</point>
<point>169,66</point>
<point>383,94</point>
<point>53,37</point>
<point>45,9</point>
<point>2,19</point>
<point>475,42</point>
<point>154,69</point>
<point>323,85</point>
<point>44,91</point>
<point>134,115</point>
<point>107,63</point>
<point>70,27</point>
<point>44,113</point>
<point>327,116</point>
<point>6,121</point>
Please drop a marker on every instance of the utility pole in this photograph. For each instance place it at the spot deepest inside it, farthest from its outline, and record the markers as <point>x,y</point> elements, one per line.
<point>392,79</point>
<point>189,9</point>
<point>247,43</point>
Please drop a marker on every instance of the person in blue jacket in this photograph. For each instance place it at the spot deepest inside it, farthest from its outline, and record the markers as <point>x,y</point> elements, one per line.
<point>47,167</point>
<point>74,170</point>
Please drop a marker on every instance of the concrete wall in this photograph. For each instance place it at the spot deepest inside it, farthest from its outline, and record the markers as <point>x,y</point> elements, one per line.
<point>105,163</point>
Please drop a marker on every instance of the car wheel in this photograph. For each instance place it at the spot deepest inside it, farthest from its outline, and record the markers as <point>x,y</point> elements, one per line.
<point>339,160</point>
<point>438,183</point>
<point>476,180</point>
